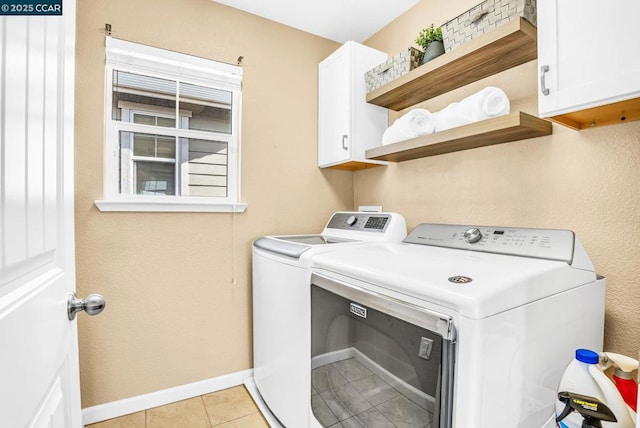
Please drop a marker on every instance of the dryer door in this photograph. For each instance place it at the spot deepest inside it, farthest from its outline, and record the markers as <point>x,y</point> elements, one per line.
<point>378,360</point>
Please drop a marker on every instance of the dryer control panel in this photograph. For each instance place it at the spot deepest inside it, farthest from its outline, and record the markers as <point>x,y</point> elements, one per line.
<point>365,226</point>
<point>368,222</point>
<point>551,244</point>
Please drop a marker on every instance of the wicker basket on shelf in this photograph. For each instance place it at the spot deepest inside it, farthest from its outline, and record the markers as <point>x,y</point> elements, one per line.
<point>485,17</point>
<point>395,67</point>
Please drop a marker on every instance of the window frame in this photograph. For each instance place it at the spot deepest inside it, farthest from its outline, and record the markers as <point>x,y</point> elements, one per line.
<point>140,59</point>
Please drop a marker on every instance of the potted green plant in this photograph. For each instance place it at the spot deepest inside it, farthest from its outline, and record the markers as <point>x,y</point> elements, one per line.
<point>430,39</point>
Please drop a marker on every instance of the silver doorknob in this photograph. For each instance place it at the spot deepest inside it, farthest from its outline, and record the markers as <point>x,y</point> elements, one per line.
<point>92,305</point>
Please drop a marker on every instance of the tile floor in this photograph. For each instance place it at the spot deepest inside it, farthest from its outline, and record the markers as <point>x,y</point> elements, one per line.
<point>229,408</point>
<point>346,394</point>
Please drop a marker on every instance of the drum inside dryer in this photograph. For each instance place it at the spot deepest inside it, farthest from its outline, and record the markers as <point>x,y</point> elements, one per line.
<point>377,361</point>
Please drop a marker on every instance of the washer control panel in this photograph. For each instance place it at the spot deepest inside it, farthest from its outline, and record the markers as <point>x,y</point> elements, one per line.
<point>367,222</point>
<point>552,244</point>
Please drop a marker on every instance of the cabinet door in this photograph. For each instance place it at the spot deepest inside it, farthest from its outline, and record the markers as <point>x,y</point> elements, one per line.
<point>590,49</point>
<point>334,109</point>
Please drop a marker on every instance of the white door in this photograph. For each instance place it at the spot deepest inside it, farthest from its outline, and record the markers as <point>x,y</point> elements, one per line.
<point>39,384</point>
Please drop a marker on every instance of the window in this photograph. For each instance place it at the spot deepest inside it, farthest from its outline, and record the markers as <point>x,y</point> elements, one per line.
<point>172,125</point>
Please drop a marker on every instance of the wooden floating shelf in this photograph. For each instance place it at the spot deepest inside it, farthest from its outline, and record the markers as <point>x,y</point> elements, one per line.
<point>505,47</point>
<point>512,127</point>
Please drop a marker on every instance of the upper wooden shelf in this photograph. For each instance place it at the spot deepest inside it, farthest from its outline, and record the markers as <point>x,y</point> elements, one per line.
<point>505,47</point>
<point>511,127</point>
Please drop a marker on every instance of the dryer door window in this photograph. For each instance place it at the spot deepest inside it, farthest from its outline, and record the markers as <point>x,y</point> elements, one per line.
<point>374,368</point>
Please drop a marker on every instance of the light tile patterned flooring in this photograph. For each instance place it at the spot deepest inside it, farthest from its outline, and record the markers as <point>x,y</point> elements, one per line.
<point>229,408</point>
<point>346,394</point>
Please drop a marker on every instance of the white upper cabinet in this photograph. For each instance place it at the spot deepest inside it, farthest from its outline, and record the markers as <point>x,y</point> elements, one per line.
<point>347,124</point>
<point>589,61</point>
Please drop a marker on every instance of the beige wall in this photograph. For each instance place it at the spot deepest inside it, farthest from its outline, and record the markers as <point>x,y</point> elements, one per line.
<point>173,314</point>
<point>585,181</point>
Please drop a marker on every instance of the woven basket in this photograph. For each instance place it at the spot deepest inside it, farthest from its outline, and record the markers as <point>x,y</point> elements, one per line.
<point>485,17</point>
<point>395,67</point>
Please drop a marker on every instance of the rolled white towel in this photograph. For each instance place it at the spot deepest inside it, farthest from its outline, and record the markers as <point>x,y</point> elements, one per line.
<point>419,121</point>
<point>450,117</point>
<point>415,123</point>
<point>484,104</point>
<point>495,103</point>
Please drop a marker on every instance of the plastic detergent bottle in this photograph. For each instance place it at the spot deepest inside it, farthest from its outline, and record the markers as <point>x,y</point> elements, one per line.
<point>584,376</point>
<point>623,378</point>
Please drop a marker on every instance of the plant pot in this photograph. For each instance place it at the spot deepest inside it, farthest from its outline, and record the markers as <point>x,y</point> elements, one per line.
<point>433,49</point>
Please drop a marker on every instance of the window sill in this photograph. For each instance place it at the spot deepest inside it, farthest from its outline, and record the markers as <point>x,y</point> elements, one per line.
<point>182,204</point>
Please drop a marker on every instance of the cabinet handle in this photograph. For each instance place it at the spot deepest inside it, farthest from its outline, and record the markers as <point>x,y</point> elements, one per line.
<point>479,16</point>
<point>543,86</point>
<point>344,144</point>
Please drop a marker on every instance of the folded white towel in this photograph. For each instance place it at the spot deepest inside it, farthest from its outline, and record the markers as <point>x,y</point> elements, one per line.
<point>415,123</point>
<point>485,104</point>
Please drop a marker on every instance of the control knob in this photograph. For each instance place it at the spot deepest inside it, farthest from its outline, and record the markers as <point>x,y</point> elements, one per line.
<point>351,220</point>
<point>472,235</point>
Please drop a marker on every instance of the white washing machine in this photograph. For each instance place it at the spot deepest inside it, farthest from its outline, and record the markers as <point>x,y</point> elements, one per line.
<point>281,309</point>
<point>457,326</point>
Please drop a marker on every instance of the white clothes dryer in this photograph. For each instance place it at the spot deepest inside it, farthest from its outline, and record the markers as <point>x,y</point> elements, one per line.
<point>457,326</point>
<point>281,309</point>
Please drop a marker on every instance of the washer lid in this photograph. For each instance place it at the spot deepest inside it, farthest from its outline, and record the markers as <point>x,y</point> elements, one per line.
<point>343,226</point>
<point>291,246</point>
<point>474,284</point>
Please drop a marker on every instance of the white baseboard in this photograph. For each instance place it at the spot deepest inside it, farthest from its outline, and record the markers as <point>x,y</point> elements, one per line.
<point>332,357</point>
<point>138,403</point>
